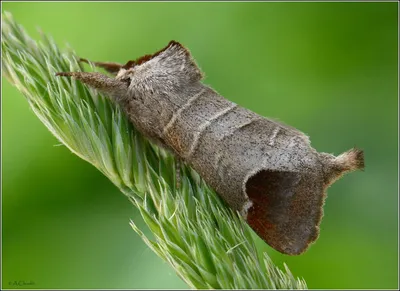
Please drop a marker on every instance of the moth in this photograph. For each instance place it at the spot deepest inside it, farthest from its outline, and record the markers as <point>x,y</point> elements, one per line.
<point>264,169</point>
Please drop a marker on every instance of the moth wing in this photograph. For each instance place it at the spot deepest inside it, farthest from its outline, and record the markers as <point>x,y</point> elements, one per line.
<point>287,209</point>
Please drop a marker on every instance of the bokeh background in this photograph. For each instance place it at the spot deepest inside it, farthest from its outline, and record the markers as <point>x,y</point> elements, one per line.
<point>329,69</point>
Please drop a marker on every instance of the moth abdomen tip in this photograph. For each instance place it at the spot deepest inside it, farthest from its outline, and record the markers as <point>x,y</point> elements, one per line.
<point>348,161</point>
<point>351,160</point>
<point>359,159</point>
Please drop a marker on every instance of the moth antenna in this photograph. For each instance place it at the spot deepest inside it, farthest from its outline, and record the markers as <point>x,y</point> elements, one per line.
<point>346,162</point>
<point>64,74</point>
<point>103,83</point>
<point>95,80</point>
<point>112,68</point>
<point>83,60</point>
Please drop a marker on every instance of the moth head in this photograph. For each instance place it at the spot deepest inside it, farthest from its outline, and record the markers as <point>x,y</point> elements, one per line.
<point>171,66</point>
<point>125,75</point>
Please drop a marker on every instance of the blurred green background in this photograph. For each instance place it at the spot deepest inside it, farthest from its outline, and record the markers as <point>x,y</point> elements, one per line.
<point>329,69</point>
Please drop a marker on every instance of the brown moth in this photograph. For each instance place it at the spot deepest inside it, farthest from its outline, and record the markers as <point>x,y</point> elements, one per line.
<point>262,168</point>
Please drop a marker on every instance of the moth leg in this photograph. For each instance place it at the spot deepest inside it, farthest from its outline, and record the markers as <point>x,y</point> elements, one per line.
<point>178,172</point>
<point>112,86</point>
<point>112,68</point>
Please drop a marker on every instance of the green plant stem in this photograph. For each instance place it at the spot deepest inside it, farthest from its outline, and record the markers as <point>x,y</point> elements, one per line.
<point>207,244</point>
